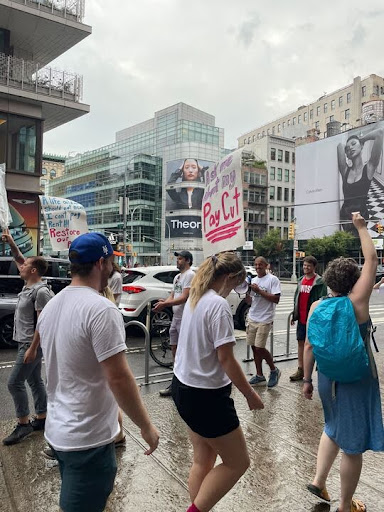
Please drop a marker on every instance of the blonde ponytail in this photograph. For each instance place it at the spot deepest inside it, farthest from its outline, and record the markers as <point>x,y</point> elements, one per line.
<point>210,270</point>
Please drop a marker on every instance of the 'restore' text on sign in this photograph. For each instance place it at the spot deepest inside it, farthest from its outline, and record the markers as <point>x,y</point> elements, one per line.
<point>65,220</point>
<point>222,208</point>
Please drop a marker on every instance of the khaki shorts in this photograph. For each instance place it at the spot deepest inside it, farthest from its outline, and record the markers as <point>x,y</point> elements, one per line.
<point>174,331</point>
<point>257,333</point>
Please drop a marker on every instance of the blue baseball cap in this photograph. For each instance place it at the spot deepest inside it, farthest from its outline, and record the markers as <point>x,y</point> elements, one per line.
<point>89,248</point>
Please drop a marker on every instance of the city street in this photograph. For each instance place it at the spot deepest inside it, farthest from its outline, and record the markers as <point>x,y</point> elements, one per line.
<point>282,440</point>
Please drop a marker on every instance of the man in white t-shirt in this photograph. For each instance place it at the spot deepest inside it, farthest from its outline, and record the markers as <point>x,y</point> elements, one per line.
<point>83,341</point>
<point>379,286</point>
<point>177,300</point>
<point>265,294</point>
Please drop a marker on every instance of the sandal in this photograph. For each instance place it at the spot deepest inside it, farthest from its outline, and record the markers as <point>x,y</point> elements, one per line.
<point>321,493</point>
<point>358,506</point>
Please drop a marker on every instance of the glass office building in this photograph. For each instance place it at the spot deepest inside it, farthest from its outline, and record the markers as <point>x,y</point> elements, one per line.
<point>137,163</point>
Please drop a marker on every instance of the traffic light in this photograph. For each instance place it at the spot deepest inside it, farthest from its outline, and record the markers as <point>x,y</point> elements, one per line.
<point>291,231</point>
<point>379,228</point>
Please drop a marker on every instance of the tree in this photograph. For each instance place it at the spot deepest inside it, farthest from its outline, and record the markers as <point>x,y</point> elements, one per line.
<point>329,247</point>
<point>271,246</point>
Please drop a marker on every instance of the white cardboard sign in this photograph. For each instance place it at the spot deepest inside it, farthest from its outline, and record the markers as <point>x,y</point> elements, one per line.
<point>222,215</point>
<point>65,220</point>
<point>5,215</point>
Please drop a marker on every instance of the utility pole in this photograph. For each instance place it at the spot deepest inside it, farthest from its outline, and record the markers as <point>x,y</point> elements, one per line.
<point>293,236</point>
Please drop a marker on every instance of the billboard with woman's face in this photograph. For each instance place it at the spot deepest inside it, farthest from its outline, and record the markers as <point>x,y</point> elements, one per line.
<point>337,176</point>
<point>185,184</point>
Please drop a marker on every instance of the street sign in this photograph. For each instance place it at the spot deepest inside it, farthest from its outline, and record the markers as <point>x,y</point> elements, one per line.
<point>296,244</point>
<point>248,246</point>
<point>112,239</point>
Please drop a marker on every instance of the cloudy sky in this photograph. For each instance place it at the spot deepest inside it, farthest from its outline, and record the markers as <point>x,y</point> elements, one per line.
<point>244,61</point>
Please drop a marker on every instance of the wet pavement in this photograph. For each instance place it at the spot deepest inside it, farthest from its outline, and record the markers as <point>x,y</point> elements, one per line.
<point>282,441</point>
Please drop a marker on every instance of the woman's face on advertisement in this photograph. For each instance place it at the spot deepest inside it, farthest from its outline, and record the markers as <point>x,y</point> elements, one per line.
<point>353,148</point>
<point>190,170</point>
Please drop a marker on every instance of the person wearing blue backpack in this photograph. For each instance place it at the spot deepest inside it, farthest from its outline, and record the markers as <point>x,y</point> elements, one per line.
<point>338,339</point>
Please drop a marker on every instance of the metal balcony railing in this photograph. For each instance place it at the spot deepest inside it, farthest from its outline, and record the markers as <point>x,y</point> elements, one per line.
<point>71,9</point>
<point>28,76</point>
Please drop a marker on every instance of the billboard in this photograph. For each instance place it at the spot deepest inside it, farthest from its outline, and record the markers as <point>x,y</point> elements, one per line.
<point>181,226</point>
<point>185,180</point>
<point>337,176</point>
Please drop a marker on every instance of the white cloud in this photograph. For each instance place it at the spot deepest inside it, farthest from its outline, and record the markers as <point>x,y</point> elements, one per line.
<point>245,62</point>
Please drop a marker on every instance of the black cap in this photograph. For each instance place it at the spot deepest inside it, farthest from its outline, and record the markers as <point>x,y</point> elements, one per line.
<point>185,254</point>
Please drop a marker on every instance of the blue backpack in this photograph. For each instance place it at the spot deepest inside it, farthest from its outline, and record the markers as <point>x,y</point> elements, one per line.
<point>338,347</point>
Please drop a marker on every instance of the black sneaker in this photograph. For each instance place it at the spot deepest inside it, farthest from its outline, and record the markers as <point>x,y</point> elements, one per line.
<point>48,453</point>
<point>38,423</point>
<point>167,391</point>
<point>20,432</point>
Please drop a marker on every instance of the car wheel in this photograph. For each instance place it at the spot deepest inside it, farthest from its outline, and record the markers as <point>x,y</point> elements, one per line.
<point>242,315</point>
<point>6,333</point>
<point>161,320</point>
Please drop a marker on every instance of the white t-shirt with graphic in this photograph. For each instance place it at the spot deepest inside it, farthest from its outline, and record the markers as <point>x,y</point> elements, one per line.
<point>203,329</point>
<point>78,331</point>
<point>181,281</point>
<point>263,310</point>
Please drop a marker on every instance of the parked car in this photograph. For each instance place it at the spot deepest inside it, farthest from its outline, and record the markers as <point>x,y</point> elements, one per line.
<point>57,276</point>
<point>143,285</point>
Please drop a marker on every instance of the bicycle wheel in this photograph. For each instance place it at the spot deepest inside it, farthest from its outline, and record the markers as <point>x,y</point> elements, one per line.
<point>160,350</point>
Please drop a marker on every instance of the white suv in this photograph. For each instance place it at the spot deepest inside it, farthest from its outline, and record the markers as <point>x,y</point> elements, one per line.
<point>142,285</point>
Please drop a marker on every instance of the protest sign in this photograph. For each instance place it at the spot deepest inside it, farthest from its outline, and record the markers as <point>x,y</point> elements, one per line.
<point>5,215</point>
<point>65,220</point>
<point>222,215</point>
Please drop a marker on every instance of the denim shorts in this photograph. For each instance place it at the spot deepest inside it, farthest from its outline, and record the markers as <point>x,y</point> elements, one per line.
<point>87,478</point>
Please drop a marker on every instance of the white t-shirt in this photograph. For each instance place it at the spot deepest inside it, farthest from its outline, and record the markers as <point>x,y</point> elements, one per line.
<point>263,310</point>
<point>203,329</point>
<point>381,289</point>
<point>115,282</point>
<point>78,331</point>
<point>181,281</point>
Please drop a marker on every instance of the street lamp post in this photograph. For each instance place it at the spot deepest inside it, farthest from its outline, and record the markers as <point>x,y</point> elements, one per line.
<point>132,213</point>
<point>169,240</point>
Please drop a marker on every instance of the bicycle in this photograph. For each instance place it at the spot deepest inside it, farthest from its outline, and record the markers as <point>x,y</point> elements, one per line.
<point>159,344</point>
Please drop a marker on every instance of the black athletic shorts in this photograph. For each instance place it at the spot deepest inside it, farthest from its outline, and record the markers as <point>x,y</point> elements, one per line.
<point>301,331</point>
<point>208,412</point>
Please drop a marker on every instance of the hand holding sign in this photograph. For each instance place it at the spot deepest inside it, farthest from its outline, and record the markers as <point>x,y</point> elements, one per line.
<point>5,215</point>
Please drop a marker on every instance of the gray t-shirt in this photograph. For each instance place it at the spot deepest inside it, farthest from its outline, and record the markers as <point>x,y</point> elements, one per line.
<point>29,301</point>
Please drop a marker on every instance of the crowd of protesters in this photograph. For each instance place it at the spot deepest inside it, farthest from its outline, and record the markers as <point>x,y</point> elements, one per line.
<point>81,335</point>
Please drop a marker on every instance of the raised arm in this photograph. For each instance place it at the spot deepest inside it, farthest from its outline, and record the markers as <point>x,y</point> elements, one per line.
<point>377,149</point>
<point>361,292</point>
<point>341,160</point>
<point>17,256</point>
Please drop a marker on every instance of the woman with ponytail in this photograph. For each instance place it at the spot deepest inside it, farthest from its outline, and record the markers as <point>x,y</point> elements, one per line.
<point>205,368</point>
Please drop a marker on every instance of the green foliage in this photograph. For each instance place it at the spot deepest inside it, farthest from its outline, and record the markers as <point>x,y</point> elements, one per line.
<point>327,248</point>
<point>271,246</point>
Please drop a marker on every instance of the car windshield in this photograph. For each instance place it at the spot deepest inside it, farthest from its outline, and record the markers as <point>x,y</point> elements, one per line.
<point>132,276</point>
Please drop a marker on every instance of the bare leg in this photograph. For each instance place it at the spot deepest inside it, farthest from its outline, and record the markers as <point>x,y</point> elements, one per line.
<point>235,461</point>
<point>326,455</point>
<point>300,353</point>
<point>259,354</point>
<point>350,469</point>
<point>120,435</point>
<point>204,458</point>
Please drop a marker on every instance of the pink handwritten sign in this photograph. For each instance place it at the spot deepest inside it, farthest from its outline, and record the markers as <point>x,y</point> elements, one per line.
<point>222,217</point>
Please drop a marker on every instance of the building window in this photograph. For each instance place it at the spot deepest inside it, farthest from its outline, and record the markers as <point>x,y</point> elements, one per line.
<point>317,111</point>
<point>333,105</point>
<point>278,212</point>
<point>43,182</point>
<point>294,121</point>
<point>268,131</point>
<point>348,97</point>
<point>286,175</point>
<point>286,214</point>
<point>317,125</point>
<point>364,91</point>
<point>347,114</point>
<point>376,89</point>
<point>272,192</point>
<point>305,117</point>
<point>271,213</point>
<point>325,108</point>
<point>286,157</point>
<point>245,141</point>
<point>331,118</point>
<point>279,155</point>
<point>43,171</point>
<point>279,174</point>
<point>299,119</point>
<point>52,173</point>
<point>286,195</point>
<point>283,125</point>
<point>311,114</point>
<point>278,128</point>
<point>249,140</point>
<point>293,158</point>
<point>254,138</point>
<point>279,193</point>
<point>273,154</point>
<point>292,214</point>
<point>273,130</point>
<point>340,101</point>
<point>381,90</point>
<point>289,122</point>
<point>285,233</point>
<point>293,196</point>
<point>293,176</point>
<point>272,173</point>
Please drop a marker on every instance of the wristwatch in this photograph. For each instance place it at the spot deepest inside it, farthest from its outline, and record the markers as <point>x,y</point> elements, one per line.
<point>307,381</point>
